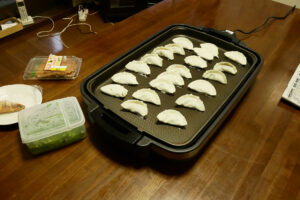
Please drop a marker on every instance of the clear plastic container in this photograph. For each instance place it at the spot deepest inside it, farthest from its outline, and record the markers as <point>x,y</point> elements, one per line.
<point>35,69</point>
<point>52,125</point>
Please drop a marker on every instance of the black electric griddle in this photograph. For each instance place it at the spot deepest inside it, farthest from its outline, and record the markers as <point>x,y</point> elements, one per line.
<point>149,134</point>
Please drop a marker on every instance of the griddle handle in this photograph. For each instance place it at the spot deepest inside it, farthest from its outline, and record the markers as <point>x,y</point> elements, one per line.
<point>224,34</point>
<point>114,127</point>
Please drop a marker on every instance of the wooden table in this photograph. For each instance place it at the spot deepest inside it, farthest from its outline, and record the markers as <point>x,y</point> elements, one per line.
<point>255,154</point>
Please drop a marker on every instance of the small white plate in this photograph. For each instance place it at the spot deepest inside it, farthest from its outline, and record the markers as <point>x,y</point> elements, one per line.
<point>19,93</point>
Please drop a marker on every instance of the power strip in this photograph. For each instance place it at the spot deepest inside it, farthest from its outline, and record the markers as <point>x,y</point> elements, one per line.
<point>82,14</point>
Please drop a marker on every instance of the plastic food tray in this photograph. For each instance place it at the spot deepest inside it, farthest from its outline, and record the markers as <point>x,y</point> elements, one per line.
<point>35,69</point>
<point>52,125</point>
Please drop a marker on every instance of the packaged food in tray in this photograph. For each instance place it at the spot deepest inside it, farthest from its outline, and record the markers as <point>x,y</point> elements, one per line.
<point>52,67</point>
<point>52,125</point>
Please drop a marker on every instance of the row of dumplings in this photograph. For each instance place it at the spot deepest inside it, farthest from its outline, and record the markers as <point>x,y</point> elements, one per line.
<point>169,116</point>
<point>207,51</point>
<point>173,75</point>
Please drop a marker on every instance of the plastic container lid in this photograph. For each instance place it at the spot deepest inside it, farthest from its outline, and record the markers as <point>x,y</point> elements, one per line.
<point>69,69</point>
<point>51,118</point>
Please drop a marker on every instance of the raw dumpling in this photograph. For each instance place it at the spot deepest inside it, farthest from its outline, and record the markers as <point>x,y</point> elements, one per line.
<point>203,53</point>
<point>176,48</point>
<point>152,59</point>
<point>135,106</point>
<point>203,86</point>
<point>172,117</point>
<point>125,78</point>
<point>165,52</point>
<point>139,67</point>
<point>195,61</point>
<point>215,75</point>
<point>225,67</point>
<point>173,77</point>
<point>183,42</point>
<point>114,90</point>
<point>190,101</point>
<point>163,85</point>
<point>212,48</point>
<point>236,56</point>
<point>148,95</point>
<point>180,69</point>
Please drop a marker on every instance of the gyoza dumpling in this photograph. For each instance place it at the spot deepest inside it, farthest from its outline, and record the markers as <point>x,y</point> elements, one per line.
<point>180,69</point>
<point>236,56</point>
<point>176,48</point>
<point>195,61</point>
<point>115,90</point>
<point>163,85</point>
<point>225,67</point>
<point>215,75</point>
<point>125,78</point>
<point>203,53</point>
<point>203,86</point>
<point>190,101</point>
<point>173,77</point>
<point>148,95</point>
<point>183,42</point>
<point>172,117</point>
<point>152,59</point>
<point>165,52</point>
<point>135,106</point>
<point>139,67</point>
<point>212,48</point>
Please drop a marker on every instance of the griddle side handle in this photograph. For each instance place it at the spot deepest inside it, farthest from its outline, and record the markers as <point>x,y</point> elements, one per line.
<point>225,35</point>
<point>113,127</point>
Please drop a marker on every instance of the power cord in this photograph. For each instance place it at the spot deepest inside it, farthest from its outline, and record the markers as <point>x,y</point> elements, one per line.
<point>267,20</point>
<point>41,33</point>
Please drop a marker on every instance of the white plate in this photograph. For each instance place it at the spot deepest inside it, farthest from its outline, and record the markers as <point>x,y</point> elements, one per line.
<point>19,93</point>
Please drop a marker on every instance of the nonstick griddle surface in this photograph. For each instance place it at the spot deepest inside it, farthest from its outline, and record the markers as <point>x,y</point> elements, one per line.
<point>197,121</point>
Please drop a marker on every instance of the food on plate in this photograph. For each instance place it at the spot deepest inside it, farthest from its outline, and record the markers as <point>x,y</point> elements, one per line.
<point>236,56</point>
<point>135,106</point>
<point>139,67</point>
<point>180,69</point>
<point>183,42</point>
<point>225,67</point>
<point>125,78</point>
<point>9,107</point>
<point>203,53</point>
<point>176,48</point>
<point>195,61</point>
<point>212,48</point>
<point>215,75</point>
<point>164,52</point>
<point>163,85</point>
<point>172,117</point>
<point>173,77</point>
<point>203,86</point>
<point>147,95</point>
<point>190,101</point>
<point>152,59</point>
<point>115,90</point>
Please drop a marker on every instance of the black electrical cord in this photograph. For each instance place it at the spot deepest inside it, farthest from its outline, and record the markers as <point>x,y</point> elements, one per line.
<point>267,20</point>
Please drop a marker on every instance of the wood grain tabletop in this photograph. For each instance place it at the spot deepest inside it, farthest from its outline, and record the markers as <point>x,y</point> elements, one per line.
<point>255,154</point>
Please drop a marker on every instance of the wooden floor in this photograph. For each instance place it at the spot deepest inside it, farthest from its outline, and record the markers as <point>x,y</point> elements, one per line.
<point>255,154</point>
